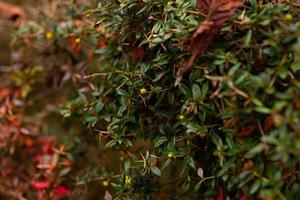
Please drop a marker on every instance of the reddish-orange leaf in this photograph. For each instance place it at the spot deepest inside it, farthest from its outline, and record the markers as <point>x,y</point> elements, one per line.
<point>248,165</point>
<point>101,43</point>
<point>90,54</point>
<point>4,92</point>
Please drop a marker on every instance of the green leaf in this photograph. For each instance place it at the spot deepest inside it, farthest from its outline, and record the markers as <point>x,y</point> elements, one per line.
<point>254,151</point>
<point>254,188</point>
<point>196,91</point>
<point>122,92</point>
<point>247,38</point>
<point>263,110</point>
<point>156,171</point>
<point>159,141</point>
<point>190,161</point>
<point>111,144</point>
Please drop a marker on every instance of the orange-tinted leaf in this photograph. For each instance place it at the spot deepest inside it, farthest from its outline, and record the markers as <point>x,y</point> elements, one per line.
<point>101,43</point>
<point>4,92</point>
<point>90,54</point>
<point>248,165</point>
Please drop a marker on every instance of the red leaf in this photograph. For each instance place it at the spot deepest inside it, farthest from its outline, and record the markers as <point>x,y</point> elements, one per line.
<point>247,131</point>
<point>203,5</point>
<point>90,55</point>
<point>268,123</point>
<point>138,53</point>
<point>46,145</point>
<point>101,43</point>
<point>76,46</point>
<point>61,190</point>
<point>41,185</point>
<point>220,194</point>
<point>9,172</point>
<point>242,196</point>
<point>218,12</point>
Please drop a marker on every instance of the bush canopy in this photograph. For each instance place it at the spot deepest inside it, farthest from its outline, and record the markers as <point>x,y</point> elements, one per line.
<point>196,99</point>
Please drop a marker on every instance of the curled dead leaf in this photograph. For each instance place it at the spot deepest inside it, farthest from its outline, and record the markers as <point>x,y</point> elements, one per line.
<point>218,12</point>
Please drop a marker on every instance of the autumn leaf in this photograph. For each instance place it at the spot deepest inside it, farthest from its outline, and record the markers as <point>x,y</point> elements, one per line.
<point>101,43</point>
<point>247,131</point>
<point>220,194</point>
<point>41,185</point>
<point>218,12</point>
<point>61,190</point>
<point>242,196</point>
<point>268,123</point>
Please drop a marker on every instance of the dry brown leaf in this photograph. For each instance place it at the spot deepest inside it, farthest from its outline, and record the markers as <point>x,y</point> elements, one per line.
<point>107,196</point>
<point>218,12</point>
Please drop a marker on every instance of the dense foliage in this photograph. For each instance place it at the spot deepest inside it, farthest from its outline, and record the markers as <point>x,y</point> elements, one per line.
<point>230,128</point>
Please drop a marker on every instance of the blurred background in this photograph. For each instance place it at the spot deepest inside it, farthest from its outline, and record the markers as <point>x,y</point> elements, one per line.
<point>32,67</point>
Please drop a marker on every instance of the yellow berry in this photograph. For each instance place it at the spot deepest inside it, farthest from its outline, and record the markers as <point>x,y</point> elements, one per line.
<point>128,180</point>
<point>170,155</point>
<point>288,16</point>
<point>105,183</point>
<point>143,91</point>
<point>49,35</point>
<point>77,40</point>
<point>181,117</point>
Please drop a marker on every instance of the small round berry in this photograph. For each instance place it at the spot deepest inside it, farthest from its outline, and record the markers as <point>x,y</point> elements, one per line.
<point>77,40</point>
<point>105,183</point>
<point>170,155</point>
<point>288,17</point>
<point>143,91</point>
<point>181,117</point>
<point>128,180</point>
<point>49,35</point>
